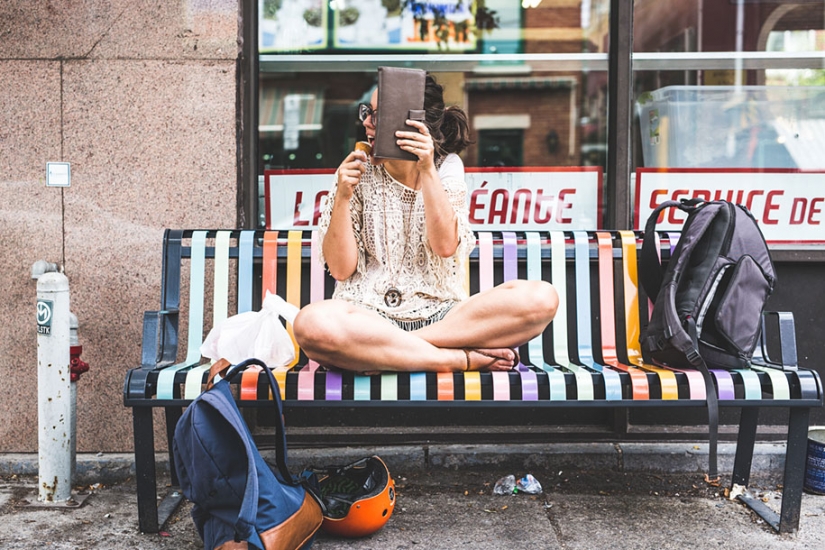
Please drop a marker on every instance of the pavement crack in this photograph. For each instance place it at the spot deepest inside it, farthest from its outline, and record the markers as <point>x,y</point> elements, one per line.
<point>554,523</point>
<point>619,457</point>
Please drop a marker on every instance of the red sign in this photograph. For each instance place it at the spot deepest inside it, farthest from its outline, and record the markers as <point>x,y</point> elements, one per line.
<point>504,199</point>
<point>789,205</point>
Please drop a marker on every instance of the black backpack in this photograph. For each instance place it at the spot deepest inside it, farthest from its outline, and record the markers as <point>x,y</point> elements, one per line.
<point>708,302</point>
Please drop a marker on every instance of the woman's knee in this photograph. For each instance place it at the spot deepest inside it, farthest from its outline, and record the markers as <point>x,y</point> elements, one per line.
<point>546,296</point>
<point>315,325</point>
<point>540,299</point>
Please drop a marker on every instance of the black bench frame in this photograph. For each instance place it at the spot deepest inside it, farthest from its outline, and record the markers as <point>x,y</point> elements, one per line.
<point>160,351</point>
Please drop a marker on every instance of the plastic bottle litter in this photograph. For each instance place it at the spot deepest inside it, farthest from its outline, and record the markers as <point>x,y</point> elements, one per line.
<point>528,484</point>
<point>505,486</point>
<point>508,485</point>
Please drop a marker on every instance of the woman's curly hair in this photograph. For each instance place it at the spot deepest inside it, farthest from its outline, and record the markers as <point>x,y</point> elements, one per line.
<point>449,126</point>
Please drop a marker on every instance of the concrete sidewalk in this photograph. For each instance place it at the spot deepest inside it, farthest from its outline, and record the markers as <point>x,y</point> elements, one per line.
<point>595,496</point>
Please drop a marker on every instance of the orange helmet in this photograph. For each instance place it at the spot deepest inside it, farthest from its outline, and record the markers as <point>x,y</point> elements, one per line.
<point>359,497</point>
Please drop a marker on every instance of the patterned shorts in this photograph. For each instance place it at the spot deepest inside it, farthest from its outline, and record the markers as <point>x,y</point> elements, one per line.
<point>410,325</point>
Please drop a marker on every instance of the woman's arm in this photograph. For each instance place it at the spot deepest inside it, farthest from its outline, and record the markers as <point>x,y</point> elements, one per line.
<point>339,245</point>
<point>440,216</point>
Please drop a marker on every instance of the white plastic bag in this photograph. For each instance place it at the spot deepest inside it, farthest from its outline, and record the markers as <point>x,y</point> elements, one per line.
<point>258,334</point>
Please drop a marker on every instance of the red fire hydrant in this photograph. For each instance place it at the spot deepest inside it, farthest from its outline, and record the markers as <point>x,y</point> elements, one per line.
<point>77,366</point>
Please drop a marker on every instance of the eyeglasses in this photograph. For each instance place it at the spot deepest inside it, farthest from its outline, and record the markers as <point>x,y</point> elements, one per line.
<point>366,111</point>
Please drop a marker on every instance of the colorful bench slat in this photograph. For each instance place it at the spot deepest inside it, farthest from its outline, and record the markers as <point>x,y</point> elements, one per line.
<point>269,284</point>
<point>638,379</point>
<point>485,261</point>
<point>249,383</point>
<point>166,378</point>
<point>389,386</point>
<point>696,381</point>
<point>220,309</point>
<point>529,382</point>
<point>535,347</point>
<point>581,251</point>
<point>561,355</point>
<point>418,386</point>
<point>246,245</point>
<point>472,386</point>
<point>306,376</point>
<point>667,377</point>
<point>445,386</point>
<point>293,280</point>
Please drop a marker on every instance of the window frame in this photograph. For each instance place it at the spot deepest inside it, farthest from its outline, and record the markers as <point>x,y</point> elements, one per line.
<point>620,63</point>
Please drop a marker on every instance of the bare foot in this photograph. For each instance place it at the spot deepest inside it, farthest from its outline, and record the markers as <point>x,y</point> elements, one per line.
<point>496,359</point>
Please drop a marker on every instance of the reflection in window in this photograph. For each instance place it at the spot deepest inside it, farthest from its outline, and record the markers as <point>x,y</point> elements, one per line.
<point>736,111</point>
<point>500,147</point>
<point>307,119</point>
<point>524,72</point>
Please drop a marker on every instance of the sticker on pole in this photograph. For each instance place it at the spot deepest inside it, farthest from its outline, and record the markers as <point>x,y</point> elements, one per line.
<point>44,317</point>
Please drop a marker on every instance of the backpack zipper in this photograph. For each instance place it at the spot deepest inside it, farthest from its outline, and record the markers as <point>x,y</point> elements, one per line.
<point>731,226</point>
<point>700,319</point>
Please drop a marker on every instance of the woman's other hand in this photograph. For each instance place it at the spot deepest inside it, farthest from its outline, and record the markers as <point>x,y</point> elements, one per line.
<point>419,143</point>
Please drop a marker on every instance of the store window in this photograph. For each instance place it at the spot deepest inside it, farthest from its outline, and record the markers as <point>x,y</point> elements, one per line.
<point>734,90</point>
<point>531,75</point>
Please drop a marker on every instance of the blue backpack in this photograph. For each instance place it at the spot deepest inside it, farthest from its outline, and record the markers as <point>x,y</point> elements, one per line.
<point>236,496</point>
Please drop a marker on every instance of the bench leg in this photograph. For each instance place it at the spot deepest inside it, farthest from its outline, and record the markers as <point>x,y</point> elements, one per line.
<point>145,475</point>
<point>744,446</point>
<point>173,414</point>
<point>794,470</point>
<point>787,521</point>
<point>151,515</point>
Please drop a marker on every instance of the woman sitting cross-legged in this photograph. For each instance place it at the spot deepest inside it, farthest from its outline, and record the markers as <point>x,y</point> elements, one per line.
<point>395,235</point>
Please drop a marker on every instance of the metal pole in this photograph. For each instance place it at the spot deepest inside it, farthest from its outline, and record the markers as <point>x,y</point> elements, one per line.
<point>53,388</point>
<point>740,33</point>
<point>73,343</point>
<point>619,114</point>
<point>247,121</point>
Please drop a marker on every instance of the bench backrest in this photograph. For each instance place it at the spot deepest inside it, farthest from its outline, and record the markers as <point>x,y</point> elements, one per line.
<point>246,264</point>
<point>598,324</point>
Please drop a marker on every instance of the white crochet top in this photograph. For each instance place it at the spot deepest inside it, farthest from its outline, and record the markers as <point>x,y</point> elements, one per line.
<point>394,251</point>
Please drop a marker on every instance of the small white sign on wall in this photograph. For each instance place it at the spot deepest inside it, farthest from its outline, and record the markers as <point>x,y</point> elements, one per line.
<point>58,174</point>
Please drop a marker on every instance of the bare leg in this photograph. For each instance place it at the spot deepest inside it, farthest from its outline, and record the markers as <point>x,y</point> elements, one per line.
<point>334,332</point>
<point>505,316</point>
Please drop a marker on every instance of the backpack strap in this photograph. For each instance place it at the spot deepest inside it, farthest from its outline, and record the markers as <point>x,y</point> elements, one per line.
<point>713,401</point>
<point>245,525</point>
<point>651,272</point>
<point>652,277</point>
<point>280,432</point>
<point>217,370</point>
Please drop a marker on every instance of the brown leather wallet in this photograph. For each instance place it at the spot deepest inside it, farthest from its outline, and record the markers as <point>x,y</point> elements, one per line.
<point>400,97</point>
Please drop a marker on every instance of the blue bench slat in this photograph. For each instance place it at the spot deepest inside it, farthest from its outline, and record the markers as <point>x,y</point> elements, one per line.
<point>536,346</point>
<point>197,267</point>
<point>245,282</point>
<point>612,382</point>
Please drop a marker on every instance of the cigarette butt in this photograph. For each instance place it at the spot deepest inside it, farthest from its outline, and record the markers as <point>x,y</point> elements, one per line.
<point>363,146</point>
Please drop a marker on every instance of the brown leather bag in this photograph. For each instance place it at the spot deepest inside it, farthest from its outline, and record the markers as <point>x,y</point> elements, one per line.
<point>400,97</point>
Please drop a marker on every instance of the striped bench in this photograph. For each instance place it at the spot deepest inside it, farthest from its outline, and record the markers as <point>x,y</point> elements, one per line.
<point>589,357</point>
